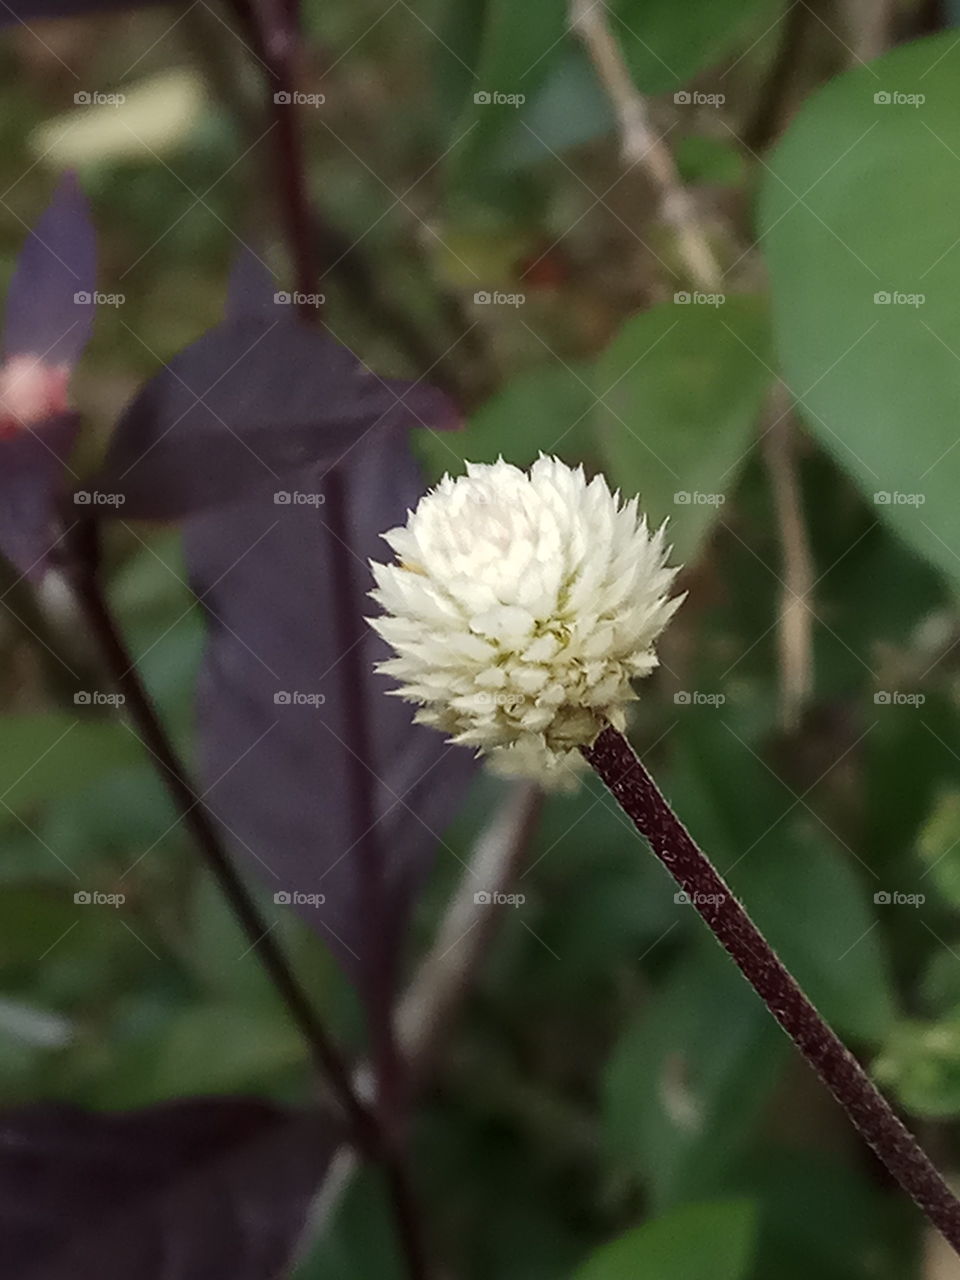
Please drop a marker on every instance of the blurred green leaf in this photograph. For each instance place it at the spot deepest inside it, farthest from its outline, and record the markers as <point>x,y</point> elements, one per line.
<point>519,45</point>
<point>680,389</point>
<point>203,1049</point>
<point>939,844</point>
<point>797,884</point>
<point>665,43</point>
<point>48,755</point>
<point>858,221</point>
<point>544,408</point>
<point>689,1077</point>
<point>920,1063</point>
<point>711,1241</point>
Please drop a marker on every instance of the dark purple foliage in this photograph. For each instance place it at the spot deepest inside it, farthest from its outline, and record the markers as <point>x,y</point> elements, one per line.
<point>249,404</point>
<point>49,318</point>
<point>204,1189</point>
<point>27,11</point>
<point>33,485</point>
<point>50,303</point>
<point>278,705</point>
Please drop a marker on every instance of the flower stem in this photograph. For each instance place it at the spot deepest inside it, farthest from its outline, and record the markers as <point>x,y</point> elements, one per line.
<point>613,759</point>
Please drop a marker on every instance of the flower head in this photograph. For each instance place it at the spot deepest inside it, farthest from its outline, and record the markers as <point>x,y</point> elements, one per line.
<point>521,607</point>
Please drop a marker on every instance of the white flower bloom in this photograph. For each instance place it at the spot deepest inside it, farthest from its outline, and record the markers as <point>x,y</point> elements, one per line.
<point>521,607</point>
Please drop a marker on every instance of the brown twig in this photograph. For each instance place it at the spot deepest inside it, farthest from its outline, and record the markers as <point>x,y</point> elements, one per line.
<point>612,757</point>
<point>641,145</point>
<point>795,624</point>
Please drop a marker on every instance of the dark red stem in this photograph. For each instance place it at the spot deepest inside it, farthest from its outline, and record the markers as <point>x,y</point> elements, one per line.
<point>612,757</point>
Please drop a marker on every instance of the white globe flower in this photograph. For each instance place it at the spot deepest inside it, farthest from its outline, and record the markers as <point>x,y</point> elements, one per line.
<point>520,608</point>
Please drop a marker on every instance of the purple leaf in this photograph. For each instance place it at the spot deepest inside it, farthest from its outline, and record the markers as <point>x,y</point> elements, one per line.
<point>44,334</point>
<point>204,1189</point>
<point>50,304</point>
<point>246,406</point>
<point>27,11</point>
<point>32,487</point>
<point>277,708</point>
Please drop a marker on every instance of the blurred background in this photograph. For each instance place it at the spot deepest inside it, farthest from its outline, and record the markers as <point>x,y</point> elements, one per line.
<point>761,338</point>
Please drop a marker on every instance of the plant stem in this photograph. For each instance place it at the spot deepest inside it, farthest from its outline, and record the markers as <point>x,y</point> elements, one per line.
<point>84,566</point>
<point>279,38</point>
<point>612,757</point>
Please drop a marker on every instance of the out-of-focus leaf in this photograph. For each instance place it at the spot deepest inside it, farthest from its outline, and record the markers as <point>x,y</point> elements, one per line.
<point>920,1063</point>
<point>196,1190</point>
<point>569,109</point>
<point>665,44</point>
<point>710,1241</point>
<point>277,710</point>
<point>27,11</point>
<point>680,390</point>
<point>820,1217</point>
<point>688,1078</point>
<point>793,877</point>
<point>517,49</point>
<point>142,121</point>
<point>205,1049</point>
<point>246,405</point>
<point>49,319</point>
<point>544,409</point>
<point>857,220</point>
<point>33,485</point>
<point>939,845</point>
<point>50,303</point>
<point>48,755</point>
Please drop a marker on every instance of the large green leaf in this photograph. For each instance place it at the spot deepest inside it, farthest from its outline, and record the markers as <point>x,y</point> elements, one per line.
<point>680,390</point>
<point>861,204</point>
<point>710,1241</point>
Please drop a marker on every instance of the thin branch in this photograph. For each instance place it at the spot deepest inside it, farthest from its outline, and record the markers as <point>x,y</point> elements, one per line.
<point>795,626</point>
<point>446,972</point>
<point>83,567</point>
<point>278,36</point>
<point>640,143</point>
<point>614,760</point>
